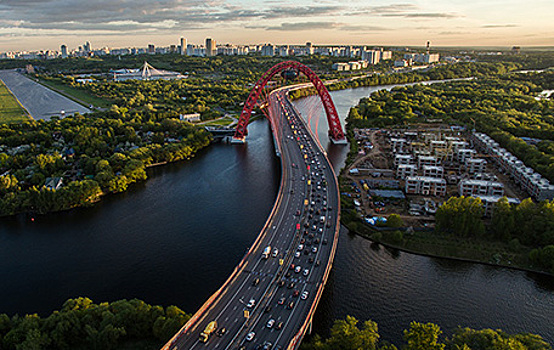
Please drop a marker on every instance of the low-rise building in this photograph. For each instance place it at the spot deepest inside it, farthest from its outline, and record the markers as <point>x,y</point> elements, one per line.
<point>475,165</point>
<point>425,186</point>
<point>490,201</point>
<point>433,171</point>
<point>426,160</point>
<point>401,159</point>
<point>405,170</point>
<point>474,188</point>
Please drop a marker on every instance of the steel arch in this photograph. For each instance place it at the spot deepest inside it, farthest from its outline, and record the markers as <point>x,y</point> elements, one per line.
<point>335,128</point>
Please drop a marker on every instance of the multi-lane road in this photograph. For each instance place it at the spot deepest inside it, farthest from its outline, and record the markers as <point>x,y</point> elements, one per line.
<point>268,303</point>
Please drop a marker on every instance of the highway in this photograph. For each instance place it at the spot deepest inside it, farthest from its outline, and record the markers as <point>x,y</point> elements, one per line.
<point>280,292</point>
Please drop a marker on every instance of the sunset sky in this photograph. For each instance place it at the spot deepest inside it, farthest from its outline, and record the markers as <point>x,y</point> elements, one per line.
<point>46,24</point>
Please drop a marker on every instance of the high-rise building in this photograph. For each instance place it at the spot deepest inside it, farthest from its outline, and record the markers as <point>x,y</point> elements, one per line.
<point>309,48</point>
<point>210,47</point>
<point>86,47</point>
<point>64,51</point>
<point>151,49</point>
<point>371,56</point>
<point>183,46</point>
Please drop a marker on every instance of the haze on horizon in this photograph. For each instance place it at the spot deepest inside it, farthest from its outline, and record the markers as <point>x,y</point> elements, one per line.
<point>46,24</point>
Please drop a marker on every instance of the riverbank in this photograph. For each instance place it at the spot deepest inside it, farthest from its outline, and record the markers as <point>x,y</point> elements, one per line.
<point>436,245</point>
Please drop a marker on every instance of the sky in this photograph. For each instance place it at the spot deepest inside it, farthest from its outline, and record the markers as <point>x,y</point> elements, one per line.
<point>46,24</point>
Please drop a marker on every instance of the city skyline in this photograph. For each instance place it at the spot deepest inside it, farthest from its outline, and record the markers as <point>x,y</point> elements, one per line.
<point>46,24</point>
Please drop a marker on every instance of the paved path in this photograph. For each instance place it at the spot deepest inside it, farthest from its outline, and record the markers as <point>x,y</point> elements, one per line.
<point>39,101</point>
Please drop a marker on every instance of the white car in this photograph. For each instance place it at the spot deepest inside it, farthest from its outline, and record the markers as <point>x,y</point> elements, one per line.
<point>301,247</point>
<point>297,254</point>
<point>251,303</point>
<point>270,323</point>
<point>306,272</point>
<point>314,250</point>
<point>304,295</point>
<point>297,269</point>
<point>250,336</point>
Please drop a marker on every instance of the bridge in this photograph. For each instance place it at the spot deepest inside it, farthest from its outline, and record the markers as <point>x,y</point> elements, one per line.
<point>270,298</point>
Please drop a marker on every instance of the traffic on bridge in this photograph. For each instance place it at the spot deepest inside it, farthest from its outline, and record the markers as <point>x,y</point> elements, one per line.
<point>269,300</point>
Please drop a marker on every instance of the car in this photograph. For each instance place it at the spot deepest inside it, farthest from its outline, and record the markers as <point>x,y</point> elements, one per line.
<point>291,267</point>
<point>306,272</point>
<point>221,332</point>
<point>267,308</point>
<point>290,306</point>
<point>267,346</point>
<point>304,295</point>
<point>296,255</point>
<point>250,336</point>
<point>270,323</point>
<point>256,282</point>
<point>297,269</point>
<point>282,301</point>
<point>314,250</point>
<point>279,325</point>
<point>311,260</point>
<point>281,283</point>
<point>251,303</point>
<point>275,252</point>
<point>296,293</point>
<point>318,262</point>
<point>316,241</point>
<point>325,241</point>
<point>291,285</point>
<point>300,247</point>
<point>306,252</point>
<point>297,212</point>
<point>288,274</point>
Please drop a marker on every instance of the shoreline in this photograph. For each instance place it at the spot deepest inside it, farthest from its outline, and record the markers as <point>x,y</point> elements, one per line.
<point>404,249</point>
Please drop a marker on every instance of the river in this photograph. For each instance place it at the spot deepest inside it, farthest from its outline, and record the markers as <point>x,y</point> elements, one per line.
<point>174,239</point>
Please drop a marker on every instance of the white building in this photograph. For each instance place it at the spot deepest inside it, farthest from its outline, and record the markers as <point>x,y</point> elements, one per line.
<point>425,186</point>
<point>473,188</point>
<point>405,170</point>
<point>433,171</point>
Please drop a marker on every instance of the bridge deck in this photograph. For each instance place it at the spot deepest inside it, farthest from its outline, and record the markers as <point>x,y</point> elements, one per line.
<point>302,228</point>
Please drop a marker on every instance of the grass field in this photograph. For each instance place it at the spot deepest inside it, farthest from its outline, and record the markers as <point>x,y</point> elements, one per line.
<point>77,95</point>
<point>220,122</point>
<point>10,109</point>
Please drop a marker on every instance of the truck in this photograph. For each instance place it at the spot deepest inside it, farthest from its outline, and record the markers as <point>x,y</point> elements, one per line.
<point>210,328</point>
<point>266,252</point>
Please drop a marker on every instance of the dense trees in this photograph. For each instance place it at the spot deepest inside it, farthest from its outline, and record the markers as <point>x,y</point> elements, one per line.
<point>347,334</point>
<point>462,216</point>
<point>528,223</point>
<point>95,154</point>
<point>82,324</point>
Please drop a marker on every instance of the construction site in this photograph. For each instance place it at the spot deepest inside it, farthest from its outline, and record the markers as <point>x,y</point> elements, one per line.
<point>411,172</point>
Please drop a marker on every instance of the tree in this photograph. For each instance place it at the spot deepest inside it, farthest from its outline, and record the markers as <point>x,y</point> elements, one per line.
<point>423,337</point>
<point>503,220</point>
<point>394,220</point>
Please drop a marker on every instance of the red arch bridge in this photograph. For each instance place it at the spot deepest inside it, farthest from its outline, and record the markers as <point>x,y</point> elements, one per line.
<point>270,298</point>
<point>335,129</point>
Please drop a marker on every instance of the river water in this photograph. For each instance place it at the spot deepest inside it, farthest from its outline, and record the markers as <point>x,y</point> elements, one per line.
<point>174,240</point>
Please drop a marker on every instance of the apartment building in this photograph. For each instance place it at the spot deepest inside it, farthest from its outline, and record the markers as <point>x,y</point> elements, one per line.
<point>425,186</point>
<point>474,188</point>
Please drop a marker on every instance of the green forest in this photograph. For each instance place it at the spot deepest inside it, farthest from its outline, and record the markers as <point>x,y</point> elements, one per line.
<point>100,153</point>
<point>527,224</point>
<point>82,324</point>
<point>349,334</point>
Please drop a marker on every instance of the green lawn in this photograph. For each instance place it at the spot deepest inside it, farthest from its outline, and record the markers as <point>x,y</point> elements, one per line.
<point>10,109</point>
<point>220,122</point>
<point>77,95</point>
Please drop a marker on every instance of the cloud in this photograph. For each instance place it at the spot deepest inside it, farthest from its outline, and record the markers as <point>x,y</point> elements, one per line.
<point>299,26</point>
<point>499,26</point>
<point>423,15</point>
<point>362,28</point>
